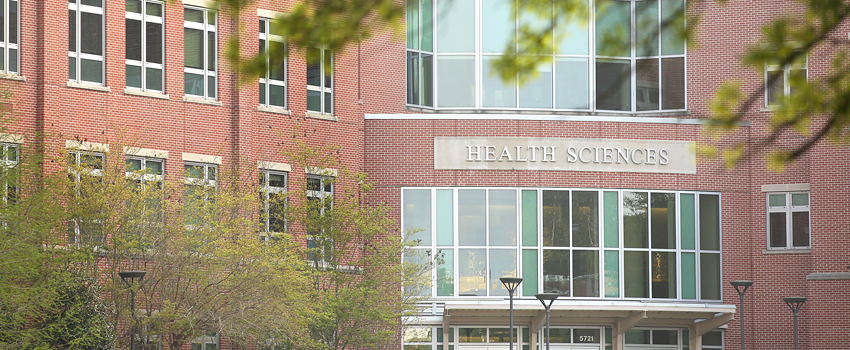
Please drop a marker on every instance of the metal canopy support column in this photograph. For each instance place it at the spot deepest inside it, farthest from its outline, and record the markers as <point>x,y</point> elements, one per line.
<point>622,326</point>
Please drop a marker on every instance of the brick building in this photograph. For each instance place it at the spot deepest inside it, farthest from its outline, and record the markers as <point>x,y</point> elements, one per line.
<point>583,182</point>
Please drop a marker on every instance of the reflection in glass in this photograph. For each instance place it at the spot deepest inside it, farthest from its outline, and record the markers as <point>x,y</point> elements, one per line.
<point>537,92</point>
<point>556,271</point>
<point>556,218</point>
<point>502,264</point>
<point>496,92</point>
<point>663,274</point>
<point>456,81</point>
<point>647,84</point>
<point>635,275</point>
<point>445,272</point>
<point>585,219</point>
<point>673,83</point>
<point>635,219</point>
<point>471,217</point>
<point>663,220</point>
<point>613,85</point>
<point>472,266</point>
<point>503,217</point>
<point>800,229</point>
<point>585,273</point>
<point>572,83</point>
<point>417,215</point>
<point>613,28</point>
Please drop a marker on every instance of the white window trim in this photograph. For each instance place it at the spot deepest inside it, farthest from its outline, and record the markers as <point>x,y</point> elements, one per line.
<point>7,46</point>
<point>207,71</point>
<point>786,72</point>
<point>76,170</point>
<point>266,189</point>
<point>144,64</point>
<point>789,209</point>
<point>268,37</point>
<point>142,174</point>
<point>78,55</point>
<point>9,164</point>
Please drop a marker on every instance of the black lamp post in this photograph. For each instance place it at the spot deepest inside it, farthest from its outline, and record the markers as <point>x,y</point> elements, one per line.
<point>547,297</point>
<point>511,284</point>
<point>795,303</point>
<point>132,276</point>
<point>741,287</point>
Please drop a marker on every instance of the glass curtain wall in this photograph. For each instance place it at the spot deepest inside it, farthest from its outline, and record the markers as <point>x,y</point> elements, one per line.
<point>613,55</point>
<point>580,243</point>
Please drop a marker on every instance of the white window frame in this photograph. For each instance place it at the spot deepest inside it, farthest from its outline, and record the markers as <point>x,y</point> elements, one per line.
<point>5,45</point>
<point>144,176</point>
<point>144,64</point>
<point>77,55</point>
<point>206,342</point>
<point>266,36</point>
<point>321,88</point>
<point>322,195</point>
<point>77,170</point>
<point>203,183</point>
<point>265,190</point>
<point>9,188</point>
<point>207,72</point>
<point>789,209</point>
<point>786,73</point>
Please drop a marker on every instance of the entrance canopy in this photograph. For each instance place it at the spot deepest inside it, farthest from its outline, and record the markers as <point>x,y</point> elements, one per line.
<point>698,318</point>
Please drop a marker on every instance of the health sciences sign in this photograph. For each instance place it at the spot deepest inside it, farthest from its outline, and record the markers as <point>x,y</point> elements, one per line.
<point>533,153</point>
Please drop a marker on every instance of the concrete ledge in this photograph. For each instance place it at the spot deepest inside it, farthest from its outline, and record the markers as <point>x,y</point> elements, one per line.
<point>11,138</point>
<point>787,251</point>
<point>274,166</point>
<point>88,86</point>
<point>203,3</point>
<point>11,76</point>
<point>321,171</point>
<point>277,110</point>
<point>268,13</point>
<point>201,158</point>
<point>829,276</point>
<point>785,187</point>
<point>146,93</point>
<point>86,146</point>
<point>201,100</point>
<point>317,115</point>
<point>645,118</point>
<point>145,152</point>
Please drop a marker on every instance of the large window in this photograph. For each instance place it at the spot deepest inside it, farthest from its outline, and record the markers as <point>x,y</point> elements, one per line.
<point>273,81</point>
<point>198,190</point>
<point>320,91</point>
<point>782,79</point>
<point>580,243</point>
<point>9,37</point>
<point>143,44</point>
<point>200,52</point>
<point>86,172</point>
<point>273,202</point>
<point>145,177</point>
<point>207,342</point>
<point>635,61</point>
<point>85,41</point>
<point>788,220</point>
<point>320,202</point>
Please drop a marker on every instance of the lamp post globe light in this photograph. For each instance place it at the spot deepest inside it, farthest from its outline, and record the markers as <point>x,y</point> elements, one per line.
<point>741,287</point>
<point>795,303</point>
<point>547,299</point>
<point>129,278</point>
<point>511,284</point>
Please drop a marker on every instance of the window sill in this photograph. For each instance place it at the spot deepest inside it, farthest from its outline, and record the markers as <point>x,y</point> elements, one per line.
<point>787,251</point>
<point>825,276</point>
<point>135,92</point>
<point>88,86</point>
<point>11,76</point>
<point>201,100</point>
<point>277,110</point>
<point>317,115</point>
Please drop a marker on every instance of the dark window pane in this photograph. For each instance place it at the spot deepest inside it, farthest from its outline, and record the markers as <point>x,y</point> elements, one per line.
<point>800,228</point>
<point>193,15</point>
<point>585,224</point>
<point>314,184</point>
<point>133,39</point>
<point>635,219</point>
<point>471,335</point>
<point>72,68</point>
<point>556,271</point>
<point>314,72</point>
<point>193,48</point>
<point>91,71</point>
<point>673,83</point>
<point>193,84</point>
<point>134,76</point>
<point>314,101</point>
<point>556,218</point>
<point>277,95</point>
<point>96,3</point>
<point>134,6</point>
<point>709,222</point>
<point>663,220</point>
<point>713,338</point>
<point>153,9</point>
<point>558,335</point>
<point>775,87</point>
<point>13,22</point>
<point>777,230</point>
<point>277,61</point>
<point>211,51</point>
<point>613,85</point>
<point>154,42</point>
<point>211,87</point>
<point>91,33</point>
<point>72,31</point>
<point>638,336</point>
<point>636,274</point>
<point>262,93</point>
<point>665,337</point>
<point>413,78</point>
<point>647,85</point>
<point>710,276</point>
<point>153,79</point>
<point>427,79</point>
<point>585,273</point>
<point>663,274</point>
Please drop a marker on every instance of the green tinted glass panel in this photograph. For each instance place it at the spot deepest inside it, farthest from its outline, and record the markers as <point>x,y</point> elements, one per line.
<point>439,335</point>
<point>529,218</point>
<point>686,339</point>
<point>412,24</point>
<point>672,27</point>
<point>558,335</point>
<point>646,28</point>
<point>426,30</point>
<point>638,336</point>
<point>799,199</point>
<point>613,28</point>
<point>524,334</point>
<point>713,338</point>
<point>611,219</point>
<point>529,272</point>
<point>417,215</point>
<point>445,273</point>
<point>612,274</point>
<point>689,276</point>
<point>710,276</point>
<point>688,224</point>
<point>776,200</point>
<point>635,220</point>
<point>636,274</point>
<point>709,222</point>
<point>134,165</point>
<point>608,331</point>
<point>445,218</point>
